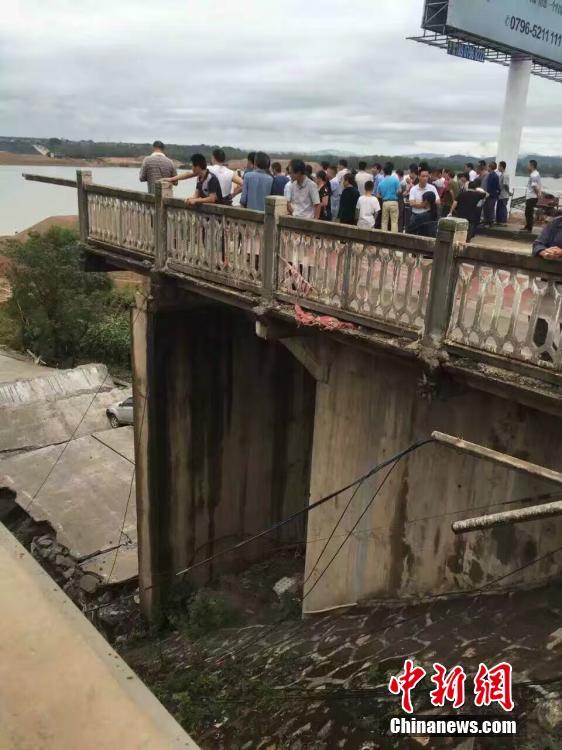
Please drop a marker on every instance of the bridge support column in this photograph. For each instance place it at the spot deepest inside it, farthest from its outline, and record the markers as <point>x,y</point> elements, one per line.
<point>149,437</point>
<point>223,428</point>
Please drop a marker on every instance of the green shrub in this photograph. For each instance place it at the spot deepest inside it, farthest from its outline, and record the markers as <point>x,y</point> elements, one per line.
<point>201,694</point>
<point>109,340</point>
<point>10,330</point>
<point>62,313</point>
<point>208,612</point>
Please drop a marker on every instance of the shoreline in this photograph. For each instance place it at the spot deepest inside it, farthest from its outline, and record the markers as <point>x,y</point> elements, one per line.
<point>11,159</point>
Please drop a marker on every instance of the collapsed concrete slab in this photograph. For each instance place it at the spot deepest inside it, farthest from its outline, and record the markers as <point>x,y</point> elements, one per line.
<point>28,426</point>
<point>87,498</point>
<point>15,366</point>
<point>66,467</point>
<point>53,406</point>
<point>54,384</point>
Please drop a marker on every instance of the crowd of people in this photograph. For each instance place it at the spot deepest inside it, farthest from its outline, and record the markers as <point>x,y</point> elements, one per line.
<point>382,197</point>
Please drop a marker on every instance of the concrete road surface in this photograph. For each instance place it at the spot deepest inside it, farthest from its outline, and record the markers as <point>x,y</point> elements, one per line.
<point>62,687</point>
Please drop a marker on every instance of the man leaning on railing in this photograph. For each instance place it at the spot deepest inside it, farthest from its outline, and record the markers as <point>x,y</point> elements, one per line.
<point>549,244</point>
<point>208,188</point>
<point>230,182</point>
<point>549,247</point>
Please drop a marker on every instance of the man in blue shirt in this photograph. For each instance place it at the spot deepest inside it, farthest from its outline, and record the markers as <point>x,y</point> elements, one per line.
<point>378,176</point>
<point>332,173</point>
<point>388,190</point>
<point>257,184</point>
<point>493,188</point>
<point>279,179</point>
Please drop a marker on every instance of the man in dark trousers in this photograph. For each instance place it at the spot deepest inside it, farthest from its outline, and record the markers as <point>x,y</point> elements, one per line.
<point>467,205</point>
<point>532,195</point>
<point>493,190</point>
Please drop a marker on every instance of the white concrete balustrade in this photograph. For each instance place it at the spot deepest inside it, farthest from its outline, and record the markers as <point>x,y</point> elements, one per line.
<point>505,310</point>
<point>123,222</point>
<point>224,244</point>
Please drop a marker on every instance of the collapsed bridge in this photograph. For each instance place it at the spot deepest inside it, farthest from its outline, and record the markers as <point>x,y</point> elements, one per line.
<point>244,410</point>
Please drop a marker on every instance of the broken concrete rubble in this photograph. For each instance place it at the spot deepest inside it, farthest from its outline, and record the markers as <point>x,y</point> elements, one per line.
<point>286,586</point>
<point>59,562</point>
<point>89,583</point>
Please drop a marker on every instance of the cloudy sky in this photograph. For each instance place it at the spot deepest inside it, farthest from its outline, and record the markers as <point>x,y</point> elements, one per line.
<point>291,74</point>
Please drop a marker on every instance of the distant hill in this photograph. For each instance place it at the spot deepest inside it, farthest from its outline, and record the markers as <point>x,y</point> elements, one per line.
<point>62,148</point>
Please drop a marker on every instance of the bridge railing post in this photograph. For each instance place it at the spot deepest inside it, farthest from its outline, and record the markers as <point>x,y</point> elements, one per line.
<point>443,277</point>
<point>275,206</point>
<point>83,178</point>
<point>162,191</point>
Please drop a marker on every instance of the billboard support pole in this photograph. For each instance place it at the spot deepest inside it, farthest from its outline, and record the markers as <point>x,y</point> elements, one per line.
<point>514,110</point>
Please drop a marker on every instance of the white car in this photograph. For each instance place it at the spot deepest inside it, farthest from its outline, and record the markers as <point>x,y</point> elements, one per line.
<point>120,413</point>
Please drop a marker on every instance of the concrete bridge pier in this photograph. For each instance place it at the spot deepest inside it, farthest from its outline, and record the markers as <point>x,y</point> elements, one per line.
<point>372,407</point>
<point>224,425</point>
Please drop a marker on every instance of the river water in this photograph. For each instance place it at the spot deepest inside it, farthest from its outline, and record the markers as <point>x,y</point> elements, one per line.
<point>24,203</point>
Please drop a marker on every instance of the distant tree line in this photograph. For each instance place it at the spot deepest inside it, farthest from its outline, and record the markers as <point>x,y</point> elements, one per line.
<point>548,165</point>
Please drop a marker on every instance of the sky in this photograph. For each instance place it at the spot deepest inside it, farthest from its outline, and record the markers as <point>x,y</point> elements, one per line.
<point>334,75</point>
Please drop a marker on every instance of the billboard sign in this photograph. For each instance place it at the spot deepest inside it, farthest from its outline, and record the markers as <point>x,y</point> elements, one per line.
<point>533,27</point>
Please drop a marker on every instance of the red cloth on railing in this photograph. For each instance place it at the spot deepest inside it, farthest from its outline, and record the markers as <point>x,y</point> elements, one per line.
<point>320,321</point>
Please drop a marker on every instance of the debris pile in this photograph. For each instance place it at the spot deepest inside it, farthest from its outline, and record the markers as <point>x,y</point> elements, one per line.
<point>64,568</point>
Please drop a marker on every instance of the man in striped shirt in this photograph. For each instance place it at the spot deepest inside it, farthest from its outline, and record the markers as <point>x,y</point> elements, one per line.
<point>156,167</point>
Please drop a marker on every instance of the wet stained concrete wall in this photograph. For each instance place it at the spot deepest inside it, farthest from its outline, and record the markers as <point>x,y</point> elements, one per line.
<point>230,439</point>
<point>372,408</point>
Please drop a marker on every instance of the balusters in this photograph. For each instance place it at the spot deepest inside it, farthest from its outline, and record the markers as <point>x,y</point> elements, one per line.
<point>121,222</point>
<point>508,312</point>
<point>215,244</point>
<point>382,284</point>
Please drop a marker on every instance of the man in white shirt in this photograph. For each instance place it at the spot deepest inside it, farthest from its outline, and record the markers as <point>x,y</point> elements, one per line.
<point>305,199</point>
<point>336,191</point>
<point>416,193</point>
<point>532,195</point>
<point>368,207</point>
<point>226,176</point>
<point>362,177</point>
<point>342,170</point>
<point>469,169</point>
